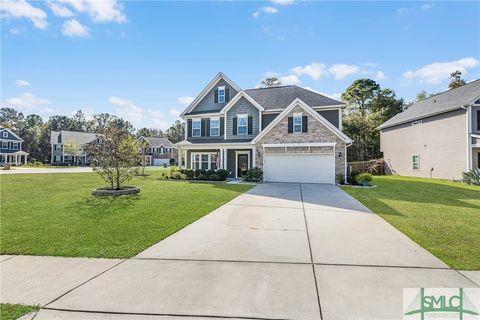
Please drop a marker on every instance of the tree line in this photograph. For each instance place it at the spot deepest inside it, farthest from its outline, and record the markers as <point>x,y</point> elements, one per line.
<point>36,132</point>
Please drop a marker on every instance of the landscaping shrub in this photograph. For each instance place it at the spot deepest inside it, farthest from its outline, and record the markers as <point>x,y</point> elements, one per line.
<point>176,175</point>
<point>222,174</point>
<point>202,176</point>
<point>213,177</point>
<point>472,176</point>
<point>253,174</point>
<point>172,162</point>
<point>341,178</point>
<point>200,172</point>
<point>188,173</point>
<point>364,178</point>
<point>351,177</point>
<point>174,169</point>
<point>209,173</point>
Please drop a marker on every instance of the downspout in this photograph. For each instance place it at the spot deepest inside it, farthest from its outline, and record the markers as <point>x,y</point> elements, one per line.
<point>468,108</point>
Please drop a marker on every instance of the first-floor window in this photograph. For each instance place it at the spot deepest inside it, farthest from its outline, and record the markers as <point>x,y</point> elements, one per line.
<point>204,161</point>
<point>4,144</point>
<point>416,162</point>
<point>196,128</point>
<point>57,158</point>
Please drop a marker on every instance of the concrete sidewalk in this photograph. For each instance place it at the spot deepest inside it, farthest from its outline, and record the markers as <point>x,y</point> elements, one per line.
<point>279,251</point>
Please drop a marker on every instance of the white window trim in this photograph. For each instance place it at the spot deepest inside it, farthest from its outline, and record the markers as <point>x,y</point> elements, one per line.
<point>247,152</point>
<point>245,115</point>
<point>417,163</point>
<point>199,121</point>
<point>222,88</point>
<point>215,119</point>
<point>5,134</point>
<point>296,115</point>
<point>209,166</point>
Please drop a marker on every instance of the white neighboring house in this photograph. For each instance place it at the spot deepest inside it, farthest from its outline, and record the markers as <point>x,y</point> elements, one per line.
<point>11,148</point>
<point>160,150</point>
<point>61,154</point>
<point>438,137</point>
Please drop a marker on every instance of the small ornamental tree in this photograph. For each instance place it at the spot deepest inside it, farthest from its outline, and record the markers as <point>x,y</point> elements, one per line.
<point>143,145</point>
<point>115,156</point>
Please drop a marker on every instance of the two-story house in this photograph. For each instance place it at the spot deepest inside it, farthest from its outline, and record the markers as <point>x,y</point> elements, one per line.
<point>293,134</point>
<point>70,146</point>
<point>160,150</point>
<point>438,137</point>
<point>11,148</point>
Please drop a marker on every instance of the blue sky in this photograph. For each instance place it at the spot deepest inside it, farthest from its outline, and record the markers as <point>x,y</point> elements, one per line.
<point>145,60</point>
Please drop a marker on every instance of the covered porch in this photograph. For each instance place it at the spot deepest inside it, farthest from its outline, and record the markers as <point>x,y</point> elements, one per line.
<point>14,158</point>
<point>475,153</point>
<point>235,158</point>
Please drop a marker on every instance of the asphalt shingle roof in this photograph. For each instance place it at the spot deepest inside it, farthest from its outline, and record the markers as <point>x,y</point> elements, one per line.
<point>157,142</point>
<point>281,97</point>
<point>72,137</point>
<point>439,103</point>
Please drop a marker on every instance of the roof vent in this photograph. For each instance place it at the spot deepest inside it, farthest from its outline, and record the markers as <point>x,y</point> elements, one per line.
<point>434,100</point>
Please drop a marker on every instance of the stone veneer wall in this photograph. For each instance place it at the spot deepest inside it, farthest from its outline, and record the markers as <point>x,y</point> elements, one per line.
<point>317,132</point>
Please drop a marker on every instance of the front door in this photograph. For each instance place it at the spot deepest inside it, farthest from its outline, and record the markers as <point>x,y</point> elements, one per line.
<point>242,164</point>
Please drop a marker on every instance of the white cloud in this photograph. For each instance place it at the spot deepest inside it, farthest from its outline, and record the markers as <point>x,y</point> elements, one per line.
<point>23,9</point>
<point>314,70</point>
<point>379,75</point>
<point>174,113</point>
<point>73,28</point>
<point>185,100</point>
<point>426,6</point>
<point>268,9</point>
<point>28,102</point>
<point>290,79</point>
<point>341,71</point>
<point>59,10</point>
<point>14,31</point>
<point>99,11</point>
<point>22,83</point>
<point>437,72</point>
<point>283,2</point>
<point>138,116</point>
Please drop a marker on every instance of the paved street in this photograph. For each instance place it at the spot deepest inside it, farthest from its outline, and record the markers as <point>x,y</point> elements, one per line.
<point>23,170</point>
<point>279,251</point>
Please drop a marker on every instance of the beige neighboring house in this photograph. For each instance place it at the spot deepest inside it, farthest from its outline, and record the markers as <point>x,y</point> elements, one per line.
<point>438,137</point>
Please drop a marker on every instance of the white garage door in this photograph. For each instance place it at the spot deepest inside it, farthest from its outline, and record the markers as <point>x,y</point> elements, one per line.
<point>307,168</point>
<point>161,162</point>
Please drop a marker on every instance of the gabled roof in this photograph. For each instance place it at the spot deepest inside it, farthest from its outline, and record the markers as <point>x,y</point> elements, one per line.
<point>207,89</point>
<point>237,97</point>
<point>11,132</point>
<point>439,103</point>
<point>158,142</point>
<point>282,96</point>
<point>311,111</point>
<point>72,137</point>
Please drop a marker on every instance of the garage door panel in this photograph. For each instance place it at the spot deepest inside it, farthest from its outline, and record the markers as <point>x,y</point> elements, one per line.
<point>306,168</point>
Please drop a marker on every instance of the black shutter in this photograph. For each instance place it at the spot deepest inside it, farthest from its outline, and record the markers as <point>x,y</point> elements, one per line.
<point>227,95</point>
<point>478,122</point>
<point>216,96</point>
<point>189,127</point>
<point>222,126</point>
<point>250,124</point>
<point>305,124</point>
<point>207,127</point>
<point>290,124</point>
<point>202,128</point>
<point>234,126</point>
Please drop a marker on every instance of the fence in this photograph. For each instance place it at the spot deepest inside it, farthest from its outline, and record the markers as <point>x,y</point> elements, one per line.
<point>373,166</point>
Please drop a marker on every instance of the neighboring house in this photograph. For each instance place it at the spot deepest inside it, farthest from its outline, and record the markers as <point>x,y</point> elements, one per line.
<point>160,151</point>
<point>438,137</point>
<point>11,148</point>
<point>293,134</point>
<point>63,142</point>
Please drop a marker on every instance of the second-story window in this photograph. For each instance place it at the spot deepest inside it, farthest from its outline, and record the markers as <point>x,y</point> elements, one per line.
<point>221,94</point>
<point>196,128</point>
<point>214,127</point>
<point>242,124</point>
<point>297,123</point>
<point>5,134</point>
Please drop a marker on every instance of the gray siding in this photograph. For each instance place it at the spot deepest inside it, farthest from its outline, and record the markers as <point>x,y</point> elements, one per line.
<point>440,141</point>
<point>208,102</point>
<point>331,116</point>
<point>243,106</point>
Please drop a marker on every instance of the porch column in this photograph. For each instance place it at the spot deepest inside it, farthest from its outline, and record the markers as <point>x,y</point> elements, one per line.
<point>25,159</point>
<point>16,159</point>
<point>179,156</point>
<point>225,159</point>
<point>253,157</point>
<point>221,159</point>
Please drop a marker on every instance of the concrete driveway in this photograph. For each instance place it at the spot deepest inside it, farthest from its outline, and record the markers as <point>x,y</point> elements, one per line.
<point>279,251</point>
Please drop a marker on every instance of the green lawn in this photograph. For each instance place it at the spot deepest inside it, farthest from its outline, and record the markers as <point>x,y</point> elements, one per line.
<point>14,311</point>
<point>441,216</point>
<point>55,214</point>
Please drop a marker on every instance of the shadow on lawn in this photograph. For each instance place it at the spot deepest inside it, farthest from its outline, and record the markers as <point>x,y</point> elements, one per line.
<point>418,192</point>
<point>101,206</point>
